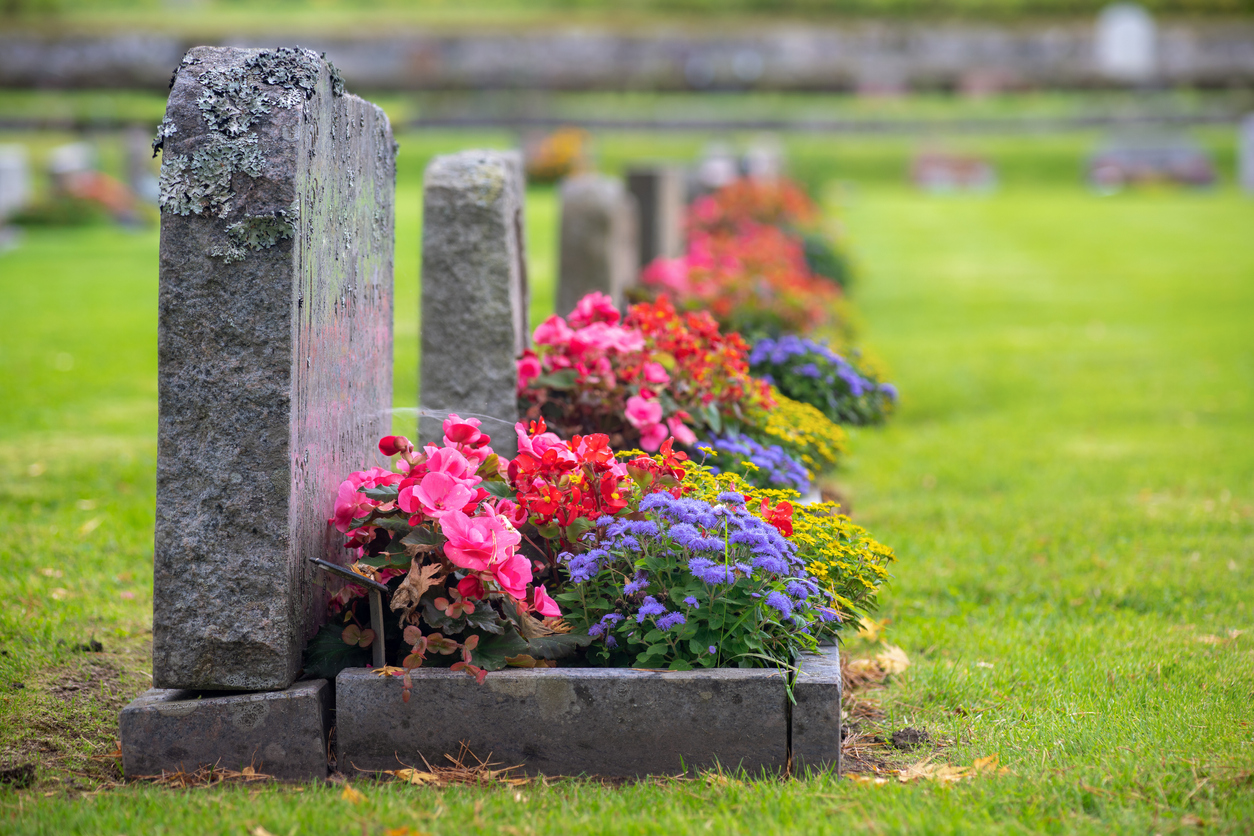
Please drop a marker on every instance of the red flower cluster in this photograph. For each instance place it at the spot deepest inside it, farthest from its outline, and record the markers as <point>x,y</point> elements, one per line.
<point>746,264</point>
<point>663,471</point>
<point>562,481</point>
<point>777,202</point>
<point>707,368</point>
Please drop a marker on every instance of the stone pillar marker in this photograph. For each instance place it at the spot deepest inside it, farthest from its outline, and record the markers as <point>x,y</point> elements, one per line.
<point>275,354</point>
<point>474,292</point>
<point>1245,154</point>
<point>659,191</point>
<point>599,240</point>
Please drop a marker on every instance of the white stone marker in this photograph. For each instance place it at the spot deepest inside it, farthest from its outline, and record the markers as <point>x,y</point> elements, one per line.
<point>14,180</point>
<point>1126,43</point>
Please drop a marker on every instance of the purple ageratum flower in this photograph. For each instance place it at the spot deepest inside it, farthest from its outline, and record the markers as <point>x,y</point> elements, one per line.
<point>639,582</point>
<point>826,615</point>
<point>713,650</point>
<point>628,543</point>
<point>596,630</point>
<point>643,528</point>
<point>731,498</point>
<point>778,601</point>
<point>707,571</point>
<point>648,608</point>
<point>671,619</point>
<point>889,390</point>
<point>692,602</point>
<point>809,370</point>
<point>610,641</point>
<point>684,534</point>
<point>771,563</point>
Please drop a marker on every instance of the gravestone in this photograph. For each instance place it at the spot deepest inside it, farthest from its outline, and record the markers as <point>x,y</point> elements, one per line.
<point>474,292</point>
<point>275,353</point>
<point>659,194</point>
<point>1245,146</point>
<point>599,244</point>
<point>1125,43</point>
<point>14,180</point>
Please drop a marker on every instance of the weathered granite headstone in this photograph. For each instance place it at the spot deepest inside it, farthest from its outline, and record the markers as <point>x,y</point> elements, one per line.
<point>1126,43</point>
<point>659,193</point>
<point>275,353</point>
<point>1245,145</point>
<point>474,292</point>
<point>599,246</point>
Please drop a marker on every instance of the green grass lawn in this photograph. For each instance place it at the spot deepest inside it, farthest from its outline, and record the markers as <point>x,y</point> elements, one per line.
<point>1069,484</point>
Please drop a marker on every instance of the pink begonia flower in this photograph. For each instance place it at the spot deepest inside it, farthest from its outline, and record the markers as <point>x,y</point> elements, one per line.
<point>349,504</point>
<point>681,431</point>
<point>528,368</point>
<point>543,604</point>
<point>606,338</point>
<point>670,273</point>
<point>436,495</point>
<point>458,430</point>
<point>652,436</point>
<point>595,307</point>
<point>513,574</point>
<point>553,331</point>
<point>476,543</point>
<point>642,413</point>
<point>451,461</point>
<point>538,445</point>
<point>471,588</point>
<point>515,513</point>
<point>390,445</point>
<point>656,373</point>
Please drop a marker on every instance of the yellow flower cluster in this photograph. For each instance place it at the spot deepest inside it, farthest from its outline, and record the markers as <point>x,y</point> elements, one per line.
<point>800,427</point>
<point>842,556</point>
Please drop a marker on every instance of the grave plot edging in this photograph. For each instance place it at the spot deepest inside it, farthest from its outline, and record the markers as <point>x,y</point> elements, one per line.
<point>613,722</point>
<point>279,733</point>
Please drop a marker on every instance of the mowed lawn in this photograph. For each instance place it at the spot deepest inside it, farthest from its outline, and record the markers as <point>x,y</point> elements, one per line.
<point>1069,484</point>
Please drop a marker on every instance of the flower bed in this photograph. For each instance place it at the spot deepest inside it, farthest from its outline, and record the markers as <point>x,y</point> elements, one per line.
<point>577,553</point>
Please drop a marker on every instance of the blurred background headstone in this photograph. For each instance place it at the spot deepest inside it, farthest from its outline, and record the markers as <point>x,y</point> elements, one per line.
<point>599,247</point>
<point>764,159</point>
<point>659,194</point>
<point>72,169</point>
<point>1245,152</point>
<point>1146,158</point>
<point>14,188</point>
<point>1126,43</point>
<point>938,172</point>
<point>717,167</point>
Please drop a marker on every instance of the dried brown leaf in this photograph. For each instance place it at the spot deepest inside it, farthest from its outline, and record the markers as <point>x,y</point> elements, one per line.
<point>421,577</point>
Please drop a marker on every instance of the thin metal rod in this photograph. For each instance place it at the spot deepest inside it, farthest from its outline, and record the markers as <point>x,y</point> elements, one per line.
<point>376,624</point>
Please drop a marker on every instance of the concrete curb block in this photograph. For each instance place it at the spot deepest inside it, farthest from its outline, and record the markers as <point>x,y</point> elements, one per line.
<point>279,733</point>
<point>597,721</point>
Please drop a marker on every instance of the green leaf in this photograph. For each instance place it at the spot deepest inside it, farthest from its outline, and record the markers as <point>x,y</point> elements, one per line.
<point>485,618</point>
<point>388,559</point>
<point>578,528</point>
<point>563,379</point>
<point>557,646</point>
<point>394,524</point>
<point>421,536</point>
<point>499,489</point>
<point>491,652</point>
<point>327,654</point>
<point>384,493</point>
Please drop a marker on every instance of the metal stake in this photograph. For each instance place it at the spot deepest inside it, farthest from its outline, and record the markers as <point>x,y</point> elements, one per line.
<point>376,591</point>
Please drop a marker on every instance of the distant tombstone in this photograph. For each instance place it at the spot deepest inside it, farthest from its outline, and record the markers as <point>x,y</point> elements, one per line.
<point>274,354</point>
<point>599,247</point>
<point>474,292</point>
<point>764,159</point>
<point>1246,153</point>
<point>1126,43</point>
<point>659,194</point>
<point>14,180</point>
<point>717,168</point>
<point>67,161</point>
